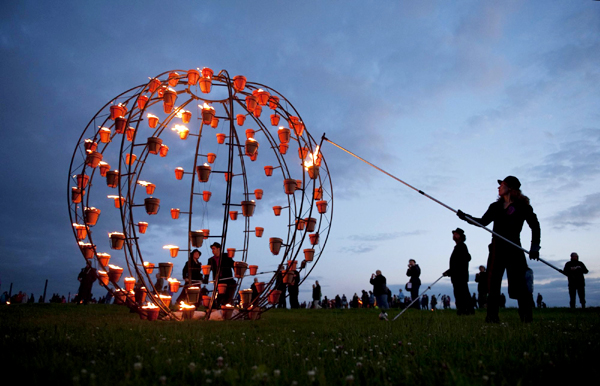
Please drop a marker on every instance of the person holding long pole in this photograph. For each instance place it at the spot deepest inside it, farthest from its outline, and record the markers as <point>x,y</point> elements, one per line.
<point>509,213</point>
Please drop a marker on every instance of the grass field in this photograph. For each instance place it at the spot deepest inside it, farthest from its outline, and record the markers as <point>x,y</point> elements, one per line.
<point>107,345</point>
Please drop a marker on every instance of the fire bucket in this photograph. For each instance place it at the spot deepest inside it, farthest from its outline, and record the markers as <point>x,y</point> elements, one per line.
<point>152,205</point>
<point>206,269</point>
<point>142,226</point>
<point>314,238</point>
<point>259,231</point>
<point>112,178</point>
<point>300,224</point>
<point>104,135</point>
<point>179,173</point>
<point>258,193</point>
<point>90,216</point>
<point>284,134</point>
<point>251,146</point>
<point>251,103</point>
<point>233,215</point>
<point>117,111</point>
<point>262,97</point>
<point>268,171</point>
<point>206,195</point>
<point>114,273</point>
<point>277,210</point>
<point>193,76</point>
<point>149,267</point>
<point>152,121</point>
<point>165,299</point>
<point>214,123</point>
<point>193,294</point>
<point>165,269</point>
<point>211,157</point>
<point>175,213</point>
<point>103,277</point>
<point>141,102</point>
<point>80,231</point>
<point>322,206</point>
<point>318,195</point>
<point>104,168</point>
<point>117,240</point>
<point>246,297</point>
<point>129,283</point>
<point>163,151</point>
<point>283,148</point>
<point>250,133</point>
<point>120,124</point>
<point>205,300</point>
<point>231,252</point>
<point>103,259</point>
<point>248,208</point>
<point>309,254</point>
<point>154,144</point>
<point>77,195</point>
<point>260,286</point>
<point>208,113</point>
<point>93,159</point>
<point>174,285</point>
<point>140,295</point>
<point>87,249</point>
<point>240,118</point>
<point>203,172</point>
<point>313,171</point>
<point>82,180</point>
<point>221,138</point>
<point>205,85</point>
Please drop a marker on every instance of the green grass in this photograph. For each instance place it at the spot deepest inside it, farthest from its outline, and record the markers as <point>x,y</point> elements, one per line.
<point>107,345</point>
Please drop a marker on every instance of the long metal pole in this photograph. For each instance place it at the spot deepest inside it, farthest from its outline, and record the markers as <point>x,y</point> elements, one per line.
<point>469,218</point>
<point>418,297</point>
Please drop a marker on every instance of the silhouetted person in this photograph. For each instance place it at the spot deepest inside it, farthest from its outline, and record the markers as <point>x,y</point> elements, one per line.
<point>294,289</point>
<point>575,270</point>
<point>481,278</point>
<point>316,294</point>
<point>86,278</point>
<point>379,283</point>
<point>539,300</point>
<point>509,213</point>
<point>221,266</point>
<point>414,272</point>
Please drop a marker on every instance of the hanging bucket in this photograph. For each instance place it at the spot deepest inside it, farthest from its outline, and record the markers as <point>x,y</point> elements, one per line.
<point>205,85</point>
<point>186,116</point>
<point>129,283</point>
<point>142,226</point>
<point>314,238</point>
<point>268,171</point>
<point>251,103</point>
<point>193,294</point>
<point>88,250</point>
<point>154,145</point>
<point>149,267</point>
<point>77,195</point>
<point>221,138</point>
<point>318,195</point>
<point>239,268</point>
<point>289,186</point>
<point>311,223</point>
<point>245,297</point>
<point>174,285</point>
<point>152,205</point>
<point>120,124</point>
<point>253,269</point>
<point>258,193</point>
<point>283,148</point>
<point>175,213</point>
<point>82,180</point>
<point>163,151</point>
<point>173,79</point>
<point>103,259</point>
<point>273,102</point>
<point>206,301</point>
<point>260,287</point>
<point>211,157</point>
<point>275,119</point>
<point>203,172</point>
<point>277,210</point>
<point>105,134</point>
<point>90,216</point>
<point>197,238</point>
<point>93,159</point>
<point>248,208</point>
<point>103,277</point>
<point>275,245</point>
<point>322,206</point>
<point>140,295</point>
<point>231,252</point>
<point>300,224</point>
<point>165,269</point>
<point>141,102</point>
<point>179,173</point>
<point>193,76</point>
<point>152,121</point>
<point>208,113</point>
<point>222,288</point>
<point>80,231</point>
<point>112,178</point>
<point>104,168</point>
<point>274,296</point>
<point>114,273</point>
<point>250,133</point>
<point>309,254</point>
<point>206,270</point>
<point>233,214</point>
<point>313,171</point>
<point>206,195</point>
<point>251,147</point>
<point>239,83</point>
<point>150,188</point>
<point>117,240</point>
<point>259,231</point>
<point>284,135</point>
<point>240,118</point>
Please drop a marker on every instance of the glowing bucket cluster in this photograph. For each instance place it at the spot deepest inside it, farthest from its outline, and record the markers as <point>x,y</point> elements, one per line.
<point>228,161</point>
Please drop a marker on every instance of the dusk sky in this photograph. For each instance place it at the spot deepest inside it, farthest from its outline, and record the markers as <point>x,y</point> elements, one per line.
<point>448,96</point>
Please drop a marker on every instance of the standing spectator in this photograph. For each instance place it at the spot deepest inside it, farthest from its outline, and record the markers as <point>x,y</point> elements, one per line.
<point>354,303</point>
<point>160,283</point>
<point>575,270</point>
<point>401,298</point>
<point>459,273</point>
<point>371,299</point>
<point>338,301</point>
<point>294,289</point>
<point>281,286</point>
<point>433,303</point>
<point>414,272</point>
<point>221,266</point>
<point>365,299</point>
<point>344,301</point>
<point>502,301</point>
<point>508,213</point>
<point>539,300</point>
<point>424,302</point>
<point>316,294</point>
<point>255,292</point>
<point>474,300</point>
<point>379,283</point>
<point>86,278</point>
<point>481,278</point>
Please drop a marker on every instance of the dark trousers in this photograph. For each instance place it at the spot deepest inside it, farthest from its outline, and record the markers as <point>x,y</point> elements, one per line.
<point>462,297</point>
<point>414,294</point>
<point>294,298</point>
<point>581,291</point>
<point>511,260</point>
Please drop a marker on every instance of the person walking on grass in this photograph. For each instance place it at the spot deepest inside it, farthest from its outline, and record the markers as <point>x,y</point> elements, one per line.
<point>508,213</point>
<point>459,273</point>
<point>316,294</point>
<point>575,270</point>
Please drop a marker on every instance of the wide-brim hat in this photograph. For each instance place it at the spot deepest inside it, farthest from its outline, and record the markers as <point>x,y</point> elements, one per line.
<point>511,181</point>
<point>459,231</point>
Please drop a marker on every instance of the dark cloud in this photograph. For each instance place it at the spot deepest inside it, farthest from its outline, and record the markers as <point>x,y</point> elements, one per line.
<point>582,215</point>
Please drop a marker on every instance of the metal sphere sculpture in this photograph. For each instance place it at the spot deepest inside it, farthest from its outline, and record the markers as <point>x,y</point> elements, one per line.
<point>144,129</point>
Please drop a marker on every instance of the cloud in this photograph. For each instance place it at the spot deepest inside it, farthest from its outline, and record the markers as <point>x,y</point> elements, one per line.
<point>580,215</point>
<point>356,249</point>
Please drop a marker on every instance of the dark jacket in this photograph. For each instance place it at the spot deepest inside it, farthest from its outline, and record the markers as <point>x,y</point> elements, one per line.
<point>509,222</point>
<point>574,271</point>
<point>379,285</point>
<point>459,264</point>
<point>226,264</point>
<point>196,268</point>
<point>414,272</point>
